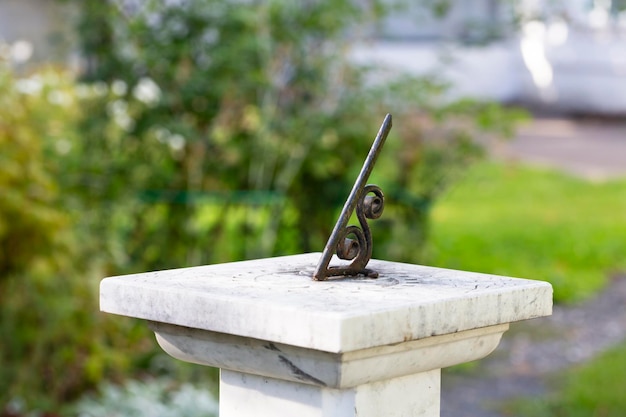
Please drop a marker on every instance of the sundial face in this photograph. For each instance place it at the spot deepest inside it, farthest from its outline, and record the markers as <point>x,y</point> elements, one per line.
<point>392,276</point>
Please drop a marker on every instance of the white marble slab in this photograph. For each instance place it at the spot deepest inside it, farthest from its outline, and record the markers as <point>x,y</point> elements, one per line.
<point>274,299</point>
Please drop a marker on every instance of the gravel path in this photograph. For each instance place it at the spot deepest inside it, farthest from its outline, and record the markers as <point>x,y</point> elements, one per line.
<point>533,350</point>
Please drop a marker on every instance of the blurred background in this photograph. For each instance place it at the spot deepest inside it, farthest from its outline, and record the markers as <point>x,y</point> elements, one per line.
<point>143,135</point>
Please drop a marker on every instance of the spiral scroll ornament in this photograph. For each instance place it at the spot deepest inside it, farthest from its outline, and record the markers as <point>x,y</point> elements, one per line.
<point>359,248</point>
<point>353,242</point>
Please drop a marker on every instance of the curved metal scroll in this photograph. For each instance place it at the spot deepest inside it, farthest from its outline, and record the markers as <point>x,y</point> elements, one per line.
<point>369,203</point>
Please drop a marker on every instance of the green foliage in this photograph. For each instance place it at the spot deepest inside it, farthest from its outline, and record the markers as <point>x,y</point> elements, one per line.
<point>155,398</point>
<point>29,222</point>
<point>54,343</point>
<point>593,389</point>
<point>245,97</point>
<point>253,99</point>
<point>532,223</point>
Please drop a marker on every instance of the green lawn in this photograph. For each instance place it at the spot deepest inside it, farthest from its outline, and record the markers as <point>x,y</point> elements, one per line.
<point>595,389</point>
<point>532,223</point>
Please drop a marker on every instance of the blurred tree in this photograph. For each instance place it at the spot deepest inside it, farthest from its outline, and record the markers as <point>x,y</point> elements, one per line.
<point>214,97</point>
<point>253,106</point>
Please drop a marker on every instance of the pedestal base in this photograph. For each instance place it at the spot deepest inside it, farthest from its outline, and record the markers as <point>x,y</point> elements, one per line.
<point>246,395</point>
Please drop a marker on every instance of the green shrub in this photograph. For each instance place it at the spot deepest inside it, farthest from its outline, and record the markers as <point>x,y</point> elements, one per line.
<point>154,398</point>
<point>55,344</point>
<point>30,219</point>
<point>238,112</point>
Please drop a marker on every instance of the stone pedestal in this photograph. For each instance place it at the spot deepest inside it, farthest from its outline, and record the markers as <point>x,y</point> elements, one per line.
<point>290,346</point>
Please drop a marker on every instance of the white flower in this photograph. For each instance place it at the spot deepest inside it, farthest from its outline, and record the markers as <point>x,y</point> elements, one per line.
<point>97,89</point>
<point>118,110</point>
<point>100,89</point>
<point>176,142</point>
<point>21,51</point>
<point>147,91</point>
<point>59,98</point>
<point>119,87</point>
<point>30,86</point>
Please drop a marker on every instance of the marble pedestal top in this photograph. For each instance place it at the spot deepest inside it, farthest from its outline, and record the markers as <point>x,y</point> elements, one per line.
<point>275,300</point>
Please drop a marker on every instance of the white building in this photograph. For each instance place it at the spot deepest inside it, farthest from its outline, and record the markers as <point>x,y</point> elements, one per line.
<point>43,29</point>
<point>566,56</point>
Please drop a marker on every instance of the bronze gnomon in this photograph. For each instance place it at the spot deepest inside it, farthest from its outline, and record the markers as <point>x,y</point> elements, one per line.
<point>369,203</point>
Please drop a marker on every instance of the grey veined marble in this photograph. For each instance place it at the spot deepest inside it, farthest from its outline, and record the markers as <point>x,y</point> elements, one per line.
<point>288,345</point>
<point>275,299</point>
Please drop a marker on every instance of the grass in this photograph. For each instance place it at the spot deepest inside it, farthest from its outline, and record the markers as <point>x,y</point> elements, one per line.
<point>531,223</point>
<point>541,224</point>
<point>593,390</point>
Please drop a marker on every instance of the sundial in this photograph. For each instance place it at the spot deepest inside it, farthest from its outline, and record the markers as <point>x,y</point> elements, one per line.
<point>305,335</point>
<point>369,202</point>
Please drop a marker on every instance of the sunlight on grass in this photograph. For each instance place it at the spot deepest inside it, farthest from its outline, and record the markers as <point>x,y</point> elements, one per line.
<point>531,223</point>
